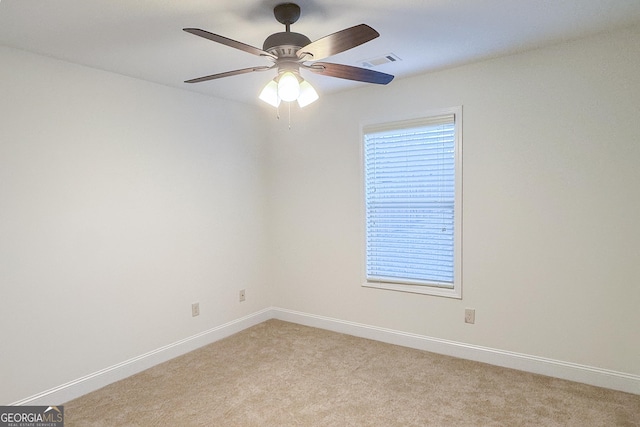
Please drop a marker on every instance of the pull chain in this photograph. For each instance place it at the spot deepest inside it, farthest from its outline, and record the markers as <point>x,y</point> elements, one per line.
<point>278,112</point>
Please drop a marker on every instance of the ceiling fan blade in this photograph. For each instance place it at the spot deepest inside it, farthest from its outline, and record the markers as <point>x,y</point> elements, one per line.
<point>228,74</point>
<point>350,73</point>
<point>338,42</point>
<point>228,42</point>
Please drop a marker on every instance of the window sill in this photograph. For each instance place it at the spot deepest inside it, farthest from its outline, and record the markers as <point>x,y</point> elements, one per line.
<point>417,289</point>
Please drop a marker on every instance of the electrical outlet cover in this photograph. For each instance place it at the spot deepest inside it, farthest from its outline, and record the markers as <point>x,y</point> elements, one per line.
<point>470,315</point>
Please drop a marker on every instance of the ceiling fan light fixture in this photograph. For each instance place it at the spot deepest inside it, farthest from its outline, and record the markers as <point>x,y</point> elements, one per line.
<point>307,94</point>
<point>288,87</point>
<point>270,94</point>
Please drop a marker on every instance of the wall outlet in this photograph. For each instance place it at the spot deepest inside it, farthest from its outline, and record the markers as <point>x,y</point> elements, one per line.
<point>469,315</point>
<point>195,309</point>
<point>241,295</point>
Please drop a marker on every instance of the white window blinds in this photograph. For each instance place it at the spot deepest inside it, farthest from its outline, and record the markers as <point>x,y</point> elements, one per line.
<point>410,202</point>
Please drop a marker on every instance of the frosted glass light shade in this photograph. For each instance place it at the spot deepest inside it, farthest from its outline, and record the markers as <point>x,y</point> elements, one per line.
<point>288,87</point>
<point>273,92</point>
<point>270,94</point>
<point>307,94</point>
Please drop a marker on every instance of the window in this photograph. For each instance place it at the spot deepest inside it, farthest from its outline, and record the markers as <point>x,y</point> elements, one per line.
<point>413,204</point>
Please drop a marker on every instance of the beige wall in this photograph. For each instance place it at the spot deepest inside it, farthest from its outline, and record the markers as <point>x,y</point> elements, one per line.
<point>551,204</point>
<point>121,203</point>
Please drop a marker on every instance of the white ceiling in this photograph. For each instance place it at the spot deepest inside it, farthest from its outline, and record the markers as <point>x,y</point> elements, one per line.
<point>144,38</point>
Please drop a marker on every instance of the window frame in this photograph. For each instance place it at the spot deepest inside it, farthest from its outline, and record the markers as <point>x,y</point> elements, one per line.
<point>433,288</point>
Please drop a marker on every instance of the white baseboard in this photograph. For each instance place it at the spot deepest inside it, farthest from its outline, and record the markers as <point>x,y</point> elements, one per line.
<point>564,370</point>
<point>569,371</point>
<point>76,388</point>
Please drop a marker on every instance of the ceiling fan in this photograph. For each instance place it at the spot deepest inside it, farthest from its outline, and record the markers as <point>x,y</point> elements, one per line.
<point>291,51</point>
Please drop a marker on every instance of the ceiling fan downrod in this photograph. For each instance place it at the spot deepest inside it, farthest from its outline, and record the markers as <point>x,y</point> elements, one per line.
<point>286,44</point>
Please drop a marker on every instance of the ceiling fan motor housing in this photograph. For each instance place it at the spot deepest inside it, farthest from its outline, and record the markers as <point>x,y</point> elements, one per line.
<point>285,44</point>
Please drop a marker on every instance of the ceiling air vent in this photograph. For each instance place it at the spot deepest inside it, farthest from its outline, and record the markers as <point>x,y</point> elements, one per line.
<point>379,60</point>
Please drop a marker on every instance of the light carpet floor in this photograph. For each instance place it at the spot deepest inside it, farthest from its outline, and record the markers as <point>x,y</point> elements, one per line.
<point>283,374</point>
